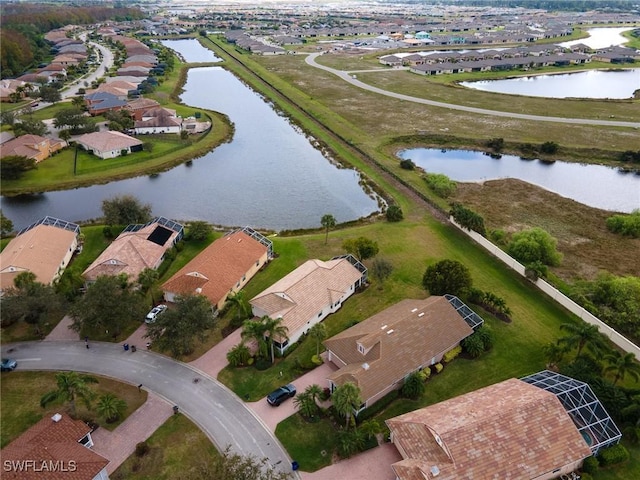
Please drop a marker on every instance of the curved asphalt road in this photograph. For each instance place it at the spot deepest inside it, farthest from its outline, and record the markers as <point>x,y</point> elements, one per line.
<point>217,411</point>
<point>346,76</point>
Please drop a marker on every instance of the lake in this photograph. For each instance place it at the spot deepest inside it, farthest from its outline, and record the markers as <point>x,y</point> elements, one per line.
<point>594,185</point>
<point>191,51</point>
<point>269,176</point>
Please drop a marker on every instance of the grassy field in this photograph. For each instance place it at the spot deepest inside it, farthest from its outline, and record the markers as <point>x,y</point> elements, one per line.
<point>176,448</point>
<point>20,401</point>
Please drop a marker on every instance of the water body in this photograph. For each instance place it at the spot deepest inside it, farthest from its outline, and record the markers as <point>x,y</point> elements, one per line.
<point>594,185</point>
<point>615,84</point>
<point>269,176</point>
<point>191,50</point>
<point>601,37</point>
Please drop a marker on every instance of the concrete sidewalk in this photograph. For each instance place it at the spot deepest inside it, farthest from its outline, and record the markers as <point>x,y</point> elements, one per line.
<point>116,446</point>
<point>374,464</point>
<point>62,331</point>
<point>216,358</point>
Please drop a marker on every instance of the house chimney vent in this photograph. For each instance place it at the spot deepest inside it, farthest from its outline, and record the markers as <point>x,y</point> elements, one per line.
<point>383,327</point>
<point>421,314</point>
<point>390,331</point>
<point>56,418</point>
<point>435,471</point>
<point>365,366</point>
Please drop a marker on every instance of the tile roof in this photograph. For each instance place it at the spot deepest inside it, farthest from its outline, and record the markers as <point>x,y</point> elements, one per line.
<point>396,341</point>
<point>106,141</point>
<point>510,430</point>
<point>51,443</point>
<point>306,291</point>
<point>39,250</point>
<point>24,146</point>
<point>218,268</point>
<point>130,253</point>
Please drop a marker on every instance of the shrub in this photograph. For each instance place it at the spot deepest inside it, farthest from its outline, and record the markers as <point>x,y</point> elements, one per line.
<point>535,245</point>
<point>426,373</point>
<point>468,218</point>
<point>413,386</point>
<point>628,225</point>
<point>440,184</point>
<point>438,367</point>
<point>590,465</point>
<point>407,164</point>
<point>613,455</point>
<point>394,213</point>
<point>238,355</point>
<point>262,363</point>
<point>585,476</point>
<point>549,147</point>
<point>496,144</point>
<point>451,354</point>
<point>142,448</point>
<point>498,236</point>
<point>316,360</point>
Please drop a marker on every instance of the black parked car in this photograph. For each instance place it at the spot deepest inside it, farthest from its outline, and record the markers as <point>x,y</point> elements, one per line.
<point>278,396</point>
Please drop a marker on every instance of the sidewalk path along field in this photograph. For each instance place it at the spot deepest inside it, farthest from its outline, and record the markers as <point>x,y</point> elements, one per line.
<point>347,76</point>
<point>216,410</point>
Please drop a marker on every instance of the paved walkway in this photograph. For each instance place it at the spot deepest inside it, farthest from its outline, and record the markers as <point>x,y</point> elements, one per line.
<point>137,337</point>
<point>62,331</point>
<point>116,446</point>
<point>216,358</point>
<point>374,464</point>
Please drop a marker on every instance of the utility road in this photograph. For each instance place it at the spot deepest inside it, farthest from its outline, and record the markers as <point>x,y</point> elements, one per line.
<point>348,77</point>
<point>217,411</point>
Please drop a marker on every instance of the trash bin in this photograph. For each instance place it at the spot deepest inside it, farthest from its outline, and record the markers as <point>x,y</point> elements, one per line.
<point>133,348</point>
<point>175,409</point>
<point>294,465</point>
<point>126,347</point>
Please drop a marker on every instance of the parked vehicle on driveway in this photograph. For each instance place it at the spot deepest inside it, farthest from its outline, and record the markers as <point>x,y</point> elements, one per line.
<point>279,395</point>
<point>153,314</point>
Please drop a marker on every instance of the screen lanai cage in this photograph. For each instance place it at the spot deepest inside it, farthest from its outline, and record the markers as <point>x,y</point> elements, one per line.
<point>589,416</point>
<point>472,318</point>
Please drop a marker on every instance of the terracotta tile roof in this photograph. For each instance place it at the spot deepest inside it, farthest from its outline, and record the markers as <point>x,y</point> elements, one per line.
<point>396,342</point>
<point>305,292</point>
<point>218,268</point>
<point>105,141</point>
<point>55,444</point>
<point>24,146</point>
<point>40,250</point>
<point>510,430</point>
<point>141,103</point>
<point>130,253</point>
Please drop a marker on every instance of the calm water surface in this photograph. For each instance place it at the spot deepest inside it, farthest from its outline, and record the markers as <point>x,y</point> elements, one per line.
<point>269,176</point>
<point>593,185</point>
<point>191,50</point>
<point>601,37</point>
<point>616,84</point>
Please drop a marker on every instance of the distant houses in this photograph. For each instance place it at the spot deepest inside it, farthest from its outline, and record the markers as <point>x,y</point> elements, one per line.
<point>44,248</point>
<point>223,268</point>
<point>309,294</point>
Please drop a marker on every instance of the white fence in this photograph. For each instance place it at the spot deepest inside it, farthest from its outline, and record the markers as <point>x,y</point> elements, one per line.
<point>621,341</point>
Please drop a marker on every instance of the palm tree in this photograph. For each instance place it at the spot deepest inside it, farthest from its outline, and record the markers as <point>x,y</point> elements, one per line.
<point>622,364</point>
<point>371,428</point>
<point>146,280</point>
<point>554,353</point>
<point>346,398</point>
<point>314,390</point>
<point>71,386</point>
<point>110,407</point>
<point>243,308</point>
<point>318,332</point>
<point>276,329</point>
<point>581,335</point>
<point>328,221</point>
<point>255,330</point>
<point>306,404</point>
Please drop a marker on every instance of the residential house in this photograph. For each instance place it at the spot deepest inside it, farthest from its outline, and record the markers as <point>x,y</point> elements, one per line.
<point>378,353</point>
<point>138,247</point>
<point>56,447</point>
<point>139,106</point>
<point>100,102</point>
<point>309,294</point>
<point>44,248</point>
<point>109,144</point>
<point>223,268</point>
<point>10,89</point>
<point>32,146</point>
<point>508,430</point>
<point>158,120</point>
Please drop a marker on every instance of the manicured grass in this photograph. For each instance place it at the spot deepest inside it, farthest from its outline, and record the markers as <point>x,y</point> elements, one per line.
<point>176,448</point>
<point>310,444</point>
<point>20,401</point>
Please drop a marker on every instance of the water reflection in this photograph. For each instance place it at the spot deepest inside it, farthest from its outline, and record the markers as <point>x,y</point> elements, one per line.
<point>594,185</point>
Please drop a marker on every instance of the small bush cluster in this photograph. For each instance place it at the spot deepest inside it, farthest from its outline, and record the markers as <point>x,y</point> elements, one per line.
<point>438,367</point>
<point>628,225</point>
<point>590,465</point>
<point>440,184</point>
<point>478,342</point>
<point>613,455</point>
<point>495,144</point>
<point>468,218</point>
<point>142,449</point>
<point>451,354</point>
<point>407,164</point>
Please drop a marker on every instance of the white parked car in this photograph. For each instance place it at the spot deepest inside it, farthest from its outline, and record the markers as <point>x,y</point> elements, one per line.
<point>153,314</point>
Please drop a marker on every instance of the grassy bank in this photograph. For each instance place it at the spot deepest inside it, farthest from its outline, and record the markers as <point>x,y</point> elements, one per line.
<point>20,401</point>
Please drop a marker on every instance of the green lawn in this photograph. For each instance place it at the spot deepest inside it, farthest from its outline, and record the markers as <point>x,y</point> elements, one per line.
<point>20,401</point>
<point>176,448</point>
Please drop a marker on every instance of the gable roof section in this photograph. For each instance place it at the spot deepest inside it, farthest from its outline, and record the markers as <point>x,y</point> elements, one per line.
<point>396,341</point>
<point>39,248</point>
<point>56,443</point>
<point>24,146</point>
<point>307,290</point>
<point>217,269</point>
<point>507,430</point>
<point>107,141</point>
<point>132,251</point>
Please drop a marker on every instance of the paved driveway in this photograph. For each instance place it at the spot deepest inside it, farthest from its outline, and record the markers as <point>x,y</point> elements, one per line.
<point>209,404</point>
